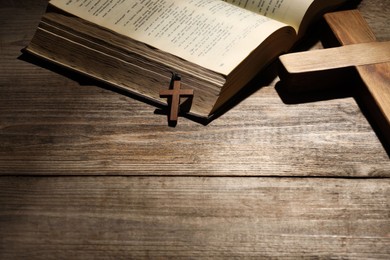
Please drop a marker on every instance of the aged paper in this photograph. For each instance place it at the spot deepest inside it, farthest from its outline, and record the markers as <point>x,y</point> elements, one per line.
<point>210,33</point>
<point>286,11</point>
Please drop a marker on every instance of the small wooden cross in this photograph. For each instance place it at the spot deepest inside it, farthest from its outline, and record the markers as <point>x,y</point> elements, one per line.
<point>173,94</point>
<point>361,51</point>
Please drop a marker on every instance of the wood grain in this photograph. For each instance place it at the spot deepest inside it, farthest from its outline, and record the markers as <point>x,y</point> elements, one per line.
<point>190,217</point>
<point>100,132</point>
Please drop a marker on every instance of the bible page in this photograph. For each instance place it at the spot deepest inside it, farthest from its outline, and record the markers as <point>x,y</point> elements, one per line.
<point>211,33</point>
<point>290,12</point>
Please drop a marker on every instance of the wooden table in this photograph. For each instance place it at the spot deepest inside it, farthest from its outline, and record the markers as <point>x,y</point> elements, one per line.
<point>90,172</point>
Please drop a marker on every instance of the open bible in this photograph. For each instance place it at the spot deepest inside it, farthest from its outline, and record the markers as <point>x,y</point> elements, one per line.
<point>216,46</point>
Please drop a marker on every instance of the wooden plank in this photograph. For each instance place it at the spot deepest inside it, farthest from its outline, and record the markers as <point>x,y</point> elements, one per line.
<point>88,131</point>
<point>193,217</point>
<point>55,123</point>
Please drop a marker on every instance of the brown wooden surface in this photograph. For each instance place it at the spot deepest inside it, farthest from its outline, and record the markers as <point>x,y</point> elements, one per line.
<point>53,123</point>
<point>194,217</point>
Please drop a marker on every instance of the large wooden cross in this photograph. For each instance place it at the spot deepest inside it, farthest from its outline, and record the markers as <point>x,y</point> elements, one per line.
<point>360,50</point>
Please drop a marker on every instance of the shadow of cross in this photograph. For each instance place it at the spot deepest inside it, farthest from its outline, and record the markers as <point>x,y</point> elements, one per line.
<point>174,95</point>
<point>360,50</point>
